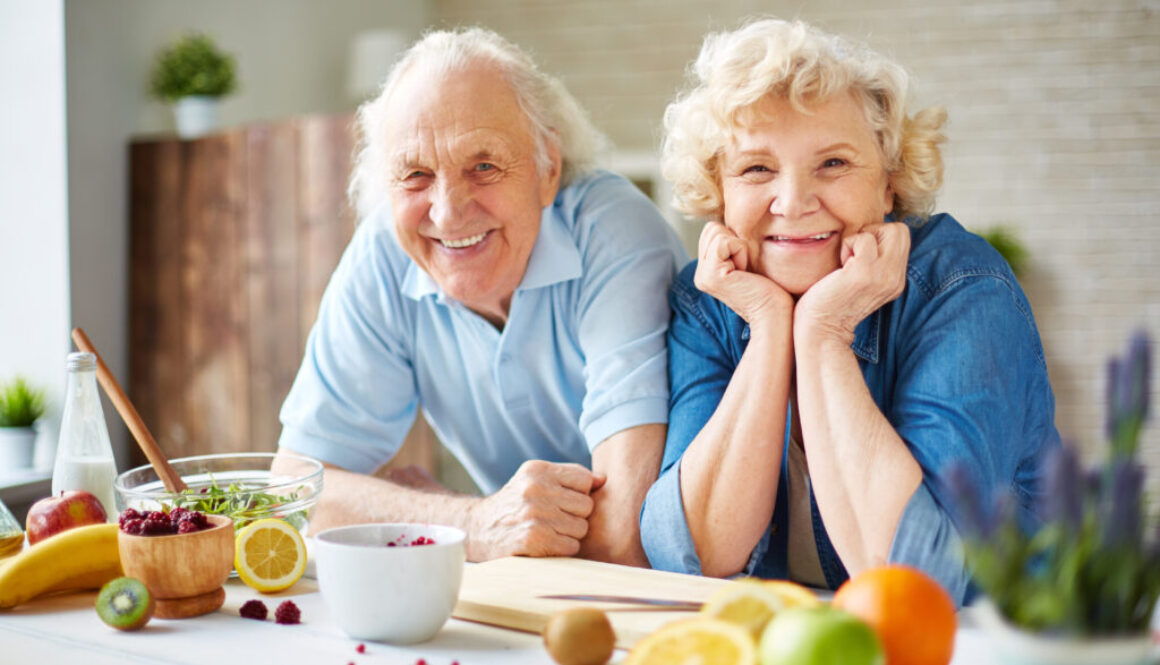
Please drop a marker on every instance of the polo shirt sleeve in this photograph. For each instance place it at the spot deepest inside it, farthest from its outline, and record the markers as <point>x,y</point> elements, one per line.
<point>354,397</point>
<point>972,389</point>
<point>630,255</point>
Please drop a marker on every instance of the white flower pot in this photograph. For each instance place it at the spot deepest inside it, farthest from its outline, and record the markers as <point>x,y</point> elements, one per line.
<point>196,115</point>
<point>1015,646</point>
<point>16,447</point>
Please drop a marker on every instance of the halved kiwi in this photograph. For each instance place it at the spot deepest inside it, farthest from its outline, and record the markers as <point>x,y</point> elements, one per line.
<point>125,603</point>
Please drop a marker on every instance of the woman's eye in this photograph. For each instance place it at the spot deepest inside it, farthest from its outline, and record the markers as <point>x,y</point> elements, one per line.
<point>755,168</point>
<point>833,162</point>
<point>483,167</point>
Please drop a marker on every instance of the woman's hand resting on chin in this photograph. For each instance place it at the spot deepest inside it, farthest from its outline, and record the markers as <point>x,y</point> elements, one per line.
<point>723,272</point>
<point>873,273</point>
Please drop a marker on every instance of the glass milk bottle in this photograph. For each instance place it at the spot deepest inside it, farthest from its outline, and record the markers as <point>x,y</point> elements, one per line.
<point>84,456</point>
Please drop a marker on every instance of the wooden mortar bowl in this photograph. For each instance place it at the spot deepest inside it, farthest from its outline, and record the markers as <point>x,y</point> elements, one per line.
<point>184,572</point>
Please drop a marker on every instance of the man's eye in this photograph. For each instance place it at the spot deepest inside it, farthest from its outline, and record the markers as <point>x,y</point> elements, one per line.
<point>484,167</point>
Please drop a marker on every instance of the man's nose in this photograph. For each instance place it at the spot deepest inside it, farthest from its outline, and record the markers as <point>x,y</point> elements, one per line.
<point>449,201</point>
<point>794,196</point>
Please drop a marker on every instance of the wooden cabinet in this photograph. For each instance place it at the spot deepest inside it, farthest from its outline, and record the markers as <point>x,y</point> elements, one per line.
<point>233,238</point>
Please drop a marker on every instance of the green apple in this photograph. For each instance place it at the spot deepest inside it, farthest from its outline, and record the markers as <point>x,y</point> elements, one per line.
<point>819,636</point>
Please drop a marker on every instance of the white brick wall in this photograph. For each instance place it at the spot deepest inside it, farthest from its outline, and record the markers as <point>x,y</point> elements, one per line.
<point>1054,130</point>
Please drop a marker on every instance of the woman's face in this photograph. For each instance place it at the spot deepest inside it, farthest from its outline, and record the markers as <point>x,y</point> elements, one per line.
<point>795,184</point>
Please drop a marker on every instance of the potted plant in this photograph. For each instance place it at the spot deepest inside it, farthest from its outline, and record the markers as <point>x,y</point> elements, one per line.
<point>1009,246</point>
<point>193,75</point>
<point>20,407</point>
<point>1083,586</point>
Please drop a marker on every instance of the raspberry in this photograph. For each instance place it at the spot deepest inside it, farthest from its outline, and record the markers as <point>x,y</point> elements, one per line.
<point>423,540</point>
<point>186,526</point>
<point>128,514</point>
<point>152,527</point>
<point>177,513</point>
<point>157,515</point>
<point>362,648</point>
<point>199,519</point>
<point>254,609</point>
<point>287,613</point>
<point>134,527</point>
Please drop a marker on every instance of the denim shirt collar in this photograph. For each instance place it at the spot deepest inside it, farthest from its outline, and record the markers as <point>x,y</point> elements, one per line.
<point>554,258</point>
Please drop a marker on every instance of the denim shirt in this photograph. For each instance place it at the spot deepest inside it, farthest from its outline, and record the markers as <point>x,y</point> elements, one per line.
<point>954,363</point>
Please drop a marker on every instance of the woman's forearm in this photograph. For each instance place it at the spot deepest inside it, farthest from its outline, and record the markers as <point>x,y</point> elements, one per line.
<point>729,473</point>
<point>861,470</point>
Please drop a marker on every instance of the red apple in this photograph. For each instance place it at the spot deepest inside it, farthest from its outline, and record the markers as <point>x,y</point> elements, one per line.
<point>71,508</point>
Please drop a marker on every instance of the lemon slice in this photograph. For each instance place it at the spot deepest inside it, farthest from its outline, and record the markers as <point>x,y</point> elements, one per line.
<point>747,603</point>
<point>794,595</point>
<point>269,555</point>
<point>703,641</point>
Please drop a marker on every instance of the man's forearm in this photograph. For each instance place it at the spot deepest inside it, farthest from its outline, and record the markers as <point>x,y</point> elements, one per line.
<point>353,498</point>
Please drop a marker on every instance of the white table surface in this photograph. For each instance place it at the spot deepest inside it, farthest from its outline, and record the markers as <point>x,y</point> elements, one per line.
<point>66,629</point>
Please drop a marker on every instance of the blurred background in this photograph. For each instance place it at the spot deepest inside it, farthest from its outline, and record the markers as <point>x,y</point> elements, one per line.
<point>1054,133</point>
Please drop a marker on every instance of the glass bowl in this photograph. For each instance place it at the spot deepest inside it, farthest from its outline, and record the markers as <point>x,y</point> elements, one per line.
<point>239,485</point>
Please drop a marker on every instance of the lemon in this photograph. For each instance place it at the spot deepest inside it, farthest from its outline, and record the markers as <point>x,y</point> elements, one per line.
<point>794,595</point>
<point>747,603</point>
<point>269,555</point>
<point>703,641</point>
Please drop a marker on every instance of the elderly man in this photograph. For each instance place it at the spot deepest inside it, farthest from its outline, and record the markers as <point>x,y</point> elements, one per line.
<point>514,293</point>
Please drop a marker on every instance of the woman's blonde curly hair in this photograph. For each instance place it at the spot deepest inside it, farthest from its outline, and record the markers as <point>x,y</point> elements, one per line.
<point>802,64</point>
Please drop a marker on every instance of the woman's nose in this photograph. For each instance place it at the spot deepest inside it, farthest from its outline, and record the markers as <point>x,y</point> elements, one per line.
<point>449,201</point>
<point>794,196</point>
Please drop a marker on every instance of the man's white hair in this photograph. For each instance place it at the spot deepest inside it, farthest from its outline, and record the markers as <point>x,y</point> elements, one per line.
<point>555,117</point>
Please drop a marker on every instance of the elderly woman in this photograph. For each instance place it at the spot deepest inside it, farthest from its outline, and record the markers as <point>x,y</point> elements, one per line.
<point>835,347</point>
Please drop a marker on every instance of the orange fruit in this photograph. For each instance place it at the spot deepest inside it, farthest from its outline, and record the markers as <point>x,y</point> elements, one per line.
<point>912,614</point>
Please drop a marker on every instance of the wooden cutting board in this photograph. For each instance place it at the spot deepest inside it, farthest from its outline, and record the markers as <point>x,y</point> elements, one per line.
<point>504,593</point>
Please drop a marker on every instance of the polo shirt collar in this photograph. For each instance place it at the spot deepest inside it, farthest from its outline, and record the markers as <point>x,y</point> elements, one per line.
<point>555,258</point>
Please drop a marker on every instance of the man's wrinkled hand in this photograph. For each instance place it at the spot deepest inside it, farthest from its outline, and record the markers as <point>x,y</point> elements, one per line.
<point>542,511</point>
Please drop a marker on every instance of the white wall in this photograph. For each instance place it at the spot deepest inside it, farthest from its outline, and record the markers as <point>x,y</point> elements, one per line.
<point>34,322</point>
<point>292,57</point>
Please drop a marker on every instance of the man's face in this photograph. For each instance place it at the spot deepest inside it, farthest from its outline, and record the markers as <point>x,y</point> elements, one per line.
<point>465,192</point>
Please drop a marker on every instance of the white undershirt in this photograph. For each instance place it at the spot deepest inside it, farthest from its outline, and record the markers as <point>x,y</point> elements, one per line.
<point>803,564</point>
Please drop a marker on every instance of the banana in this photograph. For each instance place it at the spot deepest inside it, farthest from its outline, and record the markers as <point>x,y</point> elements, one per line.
<point>84,557</point>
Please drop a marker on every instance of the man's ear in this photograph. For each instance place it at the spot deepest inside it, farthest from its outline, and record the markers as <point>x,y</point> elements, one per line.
<point>550,180</point>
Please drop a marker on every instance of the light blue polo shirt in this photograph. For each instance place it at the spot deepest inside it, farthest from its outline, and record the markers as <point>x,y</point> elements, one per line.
<point>582,355</point>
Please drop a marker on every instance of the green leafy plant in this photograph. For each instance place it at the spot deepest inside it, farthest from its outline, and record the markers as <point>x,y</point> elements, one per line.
<point>20,404</point>
<point>1090,569</point>
<point>243,504</point>
<point>1009,246</point>
<point>193,65</point>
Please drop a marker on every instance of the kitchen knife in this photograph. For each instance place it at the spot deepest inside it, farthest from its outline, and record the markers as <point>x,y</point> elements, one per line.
<point>658,603</point>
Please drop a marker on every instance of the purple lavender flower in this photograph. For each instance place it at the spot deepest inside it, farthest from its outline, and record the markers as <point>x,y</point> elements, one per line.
<point>1127,394</point>
<point>1139,368</point>
<point>1121,504</point>
<point>968,508</point>
<point>1063,487</point>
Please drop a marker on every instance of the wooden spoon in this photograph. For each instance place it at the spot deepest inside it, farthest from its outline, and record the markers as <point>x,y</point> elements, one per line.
<point>165,472</point>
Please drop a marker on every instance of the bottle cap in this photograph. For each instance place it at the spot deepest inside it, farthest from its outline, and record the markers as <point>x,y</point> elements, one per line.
<point>81,361</point>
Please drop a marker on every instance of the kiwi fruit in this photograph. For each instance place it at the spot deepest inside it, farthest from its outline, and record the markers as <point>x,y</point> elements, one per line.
<point>579,636</point>
<point>125,603</point>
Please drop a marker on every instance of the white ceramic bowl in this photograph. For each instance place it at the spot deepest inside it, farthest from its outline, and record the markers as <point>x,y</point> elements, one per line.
<point>402,594</point>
